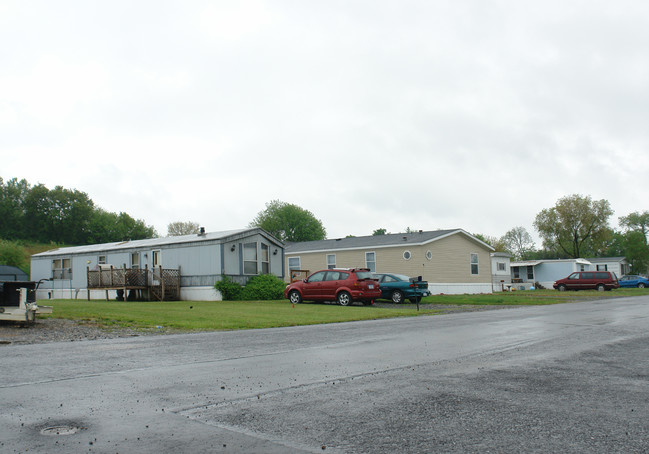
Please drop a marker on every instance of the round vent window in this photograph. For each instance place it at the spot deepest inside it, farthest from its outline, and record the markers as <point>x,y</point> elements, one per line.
<point>407,255</point>
<point>429,255</point>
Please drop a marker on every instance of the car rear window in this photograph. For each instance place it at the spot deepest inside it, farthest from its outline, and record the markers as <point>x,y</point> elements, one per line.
<point>601,276</point>
<point>364,275</point>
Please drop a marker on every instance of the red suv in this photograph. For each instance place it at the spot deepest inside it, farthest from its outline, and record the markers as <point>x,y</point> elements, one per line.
<point>585,280</point>
<point>341,285</point>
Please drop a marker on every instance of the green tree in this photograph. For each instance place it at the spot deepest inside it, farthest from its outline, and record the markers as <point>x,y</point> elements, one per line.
<point>12,211</point>
<point>13,254</point>
<point>182,228</point>
<point>492,241</point>
<point>518,242</point>
<point>636,249</point>
<point>288,222</point>
<point>636,221</point>
<point>380,231</point>
<point>576,225</point>
<point>61,216</point>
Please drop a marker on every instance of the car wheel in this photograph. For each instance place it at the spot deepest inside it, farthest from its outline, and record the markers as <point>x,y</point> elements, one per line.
<point>344,299</point>
<point>641,285</point>
<point>397,297</point>
<point>562,288</point>
<point>600,287</point>
<point>295,297</point>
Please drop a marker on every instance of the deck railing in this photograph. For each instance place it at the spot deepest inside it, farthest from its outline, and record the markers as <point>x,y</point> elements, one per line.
<point>163,283</point>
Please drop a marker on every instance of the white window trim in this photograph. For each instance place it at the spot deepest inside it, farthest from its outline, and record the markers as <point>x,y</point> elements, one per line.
<point>261,257</point>
<point>156,258</point>
<point>299,263</point>
<point>243,256</point>
<point>477,263</point>
<point>331,265</point>
<point>367,263</point>
<point>408,253</point>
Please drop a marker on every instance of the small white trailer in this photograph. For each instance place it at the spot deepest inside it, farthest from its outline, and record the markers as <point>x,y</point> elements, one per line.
<point>18,304</point>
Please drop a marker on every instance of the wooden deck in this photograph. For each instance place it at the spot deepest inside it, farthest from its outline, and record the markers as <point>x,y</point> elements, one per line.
<point>159,283</point>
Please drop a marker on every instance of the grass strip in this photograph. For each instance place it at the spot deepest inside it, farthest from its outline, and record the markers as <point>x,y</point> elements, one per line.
<point>185,316</point>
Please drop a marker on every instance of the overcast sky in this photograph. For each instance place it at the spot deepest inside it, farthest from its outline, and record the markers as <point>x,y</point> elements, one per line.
<point>370,114</point>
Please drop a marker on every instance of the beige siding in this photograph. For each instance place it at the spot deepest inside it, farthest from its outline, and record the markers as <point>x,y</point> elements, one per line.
<point>450,262</point>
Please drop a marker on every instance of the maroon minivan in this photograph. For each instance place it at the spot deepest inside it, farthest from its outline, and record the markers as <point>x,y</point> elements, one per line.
<point>588,280</point>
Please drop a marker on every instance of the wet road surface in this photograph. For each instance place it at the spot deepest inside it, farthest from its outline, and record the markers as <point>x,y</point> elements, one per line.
<point>563,378</point>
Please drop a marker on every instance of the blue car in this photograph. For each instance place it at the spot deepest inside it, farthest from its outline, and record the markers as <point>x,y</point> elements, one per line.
<point>399,287</point>
<point>631,280</point>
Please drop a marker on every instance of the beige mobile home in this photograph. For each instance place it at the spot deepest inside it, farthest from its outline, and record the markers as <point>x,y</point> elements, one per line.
<point>452,261</point>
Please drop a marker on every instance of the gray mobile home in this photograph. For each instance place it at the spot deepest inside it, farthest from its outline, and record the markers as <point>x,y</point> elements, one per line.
<point>199,260</point>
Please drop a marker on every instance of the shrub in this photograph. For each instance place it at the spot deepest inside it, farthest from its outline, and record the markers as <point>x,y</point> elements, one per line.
<point>230,291</point>
<point>264,287</point>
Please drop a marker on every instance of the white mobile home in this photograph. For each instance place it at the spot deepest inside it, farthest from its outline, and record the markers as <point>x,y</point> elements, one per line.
<point>501,271</point>
<point>200,261</point>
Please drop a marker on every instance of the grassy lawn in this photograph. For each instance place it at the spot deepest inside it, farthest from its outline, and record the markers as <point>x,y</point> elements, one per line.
<point>216,315</point>
<point>233,315</point>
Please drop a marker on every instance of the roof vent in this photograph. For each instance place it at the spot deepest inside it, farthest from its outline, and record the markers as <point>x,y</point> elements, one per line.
<point>202,232</point>
<point>405,238</point>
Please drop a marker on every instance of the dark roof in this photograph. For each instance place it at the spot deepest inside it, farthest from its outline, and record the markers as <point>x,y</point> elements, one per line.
<point>377,241</point>
<point>11,273</point>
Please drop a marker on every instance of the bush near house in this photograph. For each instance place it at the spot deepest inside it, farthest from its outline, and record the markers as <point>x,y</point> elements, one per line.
<point>264,287</point>
<point>229,289</point>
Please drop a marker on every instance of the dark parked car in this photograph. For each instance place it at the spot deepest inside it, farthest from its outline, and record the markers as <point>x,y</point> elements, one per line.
<point>632,280</point>
<point>341,285</point>
<point>399,287</point>
<point>588,280</point>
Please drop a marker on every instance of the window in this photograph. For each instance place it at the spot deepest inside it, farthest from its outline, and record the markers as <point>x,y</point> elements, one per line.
<point>429,255</point>
<point>294,263</point>
<point>265,259</point>
<point>135,260</point>
<point>156,259</point>
<point>331,261</point>
<point>407,255</point>
<point>61,269</point>
<point>318,277</point>
<point>474,264</point>
<point>530,273</point>
<point>517,273</point>
<point>250,258</point>
<point>333,276</point>
<point>602,267</point>
<point>501,266</point>
<point>101,259</point>
<point>370,261</point>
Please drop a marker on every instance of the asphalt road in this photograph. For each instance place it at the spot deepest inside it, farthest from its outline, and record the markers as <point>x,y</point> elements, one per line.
<point>562,378</point>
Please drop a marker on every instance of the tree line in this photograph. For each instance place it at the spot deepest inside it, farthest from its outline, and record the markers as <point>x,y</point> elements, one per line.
<point>62,216</point>
<point>578,226</point>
